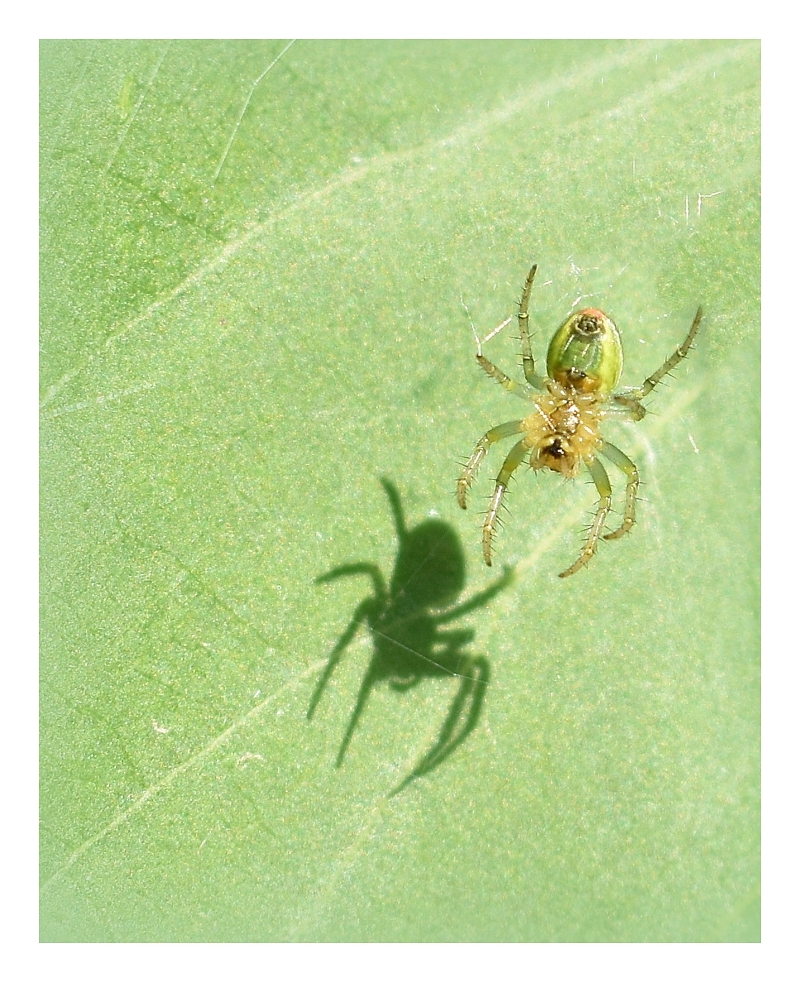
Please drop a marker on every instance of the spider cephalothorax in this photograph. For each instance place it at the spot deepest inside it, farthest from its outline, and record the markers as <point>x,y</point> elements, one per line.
<point>562,431</point>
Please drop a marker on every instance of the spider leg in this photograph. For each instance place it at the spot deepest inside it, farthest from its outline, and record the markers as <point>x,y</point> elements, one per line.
<point>511,463</point>
<point>603,485</point>
<point>627,466</point>
<point>625,405</point>
<point>528,365</point>
<point>525,392</point>
<point>501,432</point>
<point>679,354</point>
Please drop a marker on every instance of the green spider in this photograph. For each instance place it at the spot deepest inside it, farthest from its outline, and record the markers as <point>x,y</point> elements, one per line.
<point>584,364</point>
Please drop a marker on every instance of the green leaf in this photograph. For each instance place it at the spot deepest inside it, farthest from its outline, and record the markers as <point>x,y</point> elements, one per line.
<point>253,293</point>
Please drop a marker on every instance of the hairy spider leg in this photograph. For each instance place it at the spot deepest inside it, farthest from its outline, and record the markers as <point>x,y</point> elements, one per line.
<point>680,353</point>
<point>603,485</point>
<point>501,432</point>
<point>528,365</point>
<point>526,392</point>
<point>625,406</point>
<point>627,403</point>
<point>629,469</point>
<point>518,453</point>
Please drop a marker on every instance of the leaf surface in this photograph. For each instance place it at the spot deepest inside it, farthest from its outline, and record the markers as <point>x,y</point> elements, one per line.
<point>255,267</point>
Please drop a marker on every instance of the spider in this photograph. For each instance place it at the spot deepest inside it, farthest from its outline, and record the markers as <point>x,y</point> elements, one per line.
<point>562,432</point>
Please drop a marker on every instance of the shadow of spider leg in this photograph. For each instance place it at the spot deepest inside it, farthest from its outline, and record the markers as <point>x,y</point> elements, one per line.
<point>366,612</point>
<point>461,719</point>
<point>474,674</point>
<point>371,676</point>
<point>404,618</point>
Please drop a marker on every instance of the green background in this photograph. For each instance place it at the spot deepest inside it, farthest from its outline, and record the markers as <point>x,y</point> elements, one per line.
<point>252,305</point>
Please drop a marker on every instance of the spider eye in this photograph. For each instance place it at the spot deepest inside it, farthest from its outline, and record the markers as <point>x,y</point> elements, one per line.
<point>586,352</point>
<point>589,324</point>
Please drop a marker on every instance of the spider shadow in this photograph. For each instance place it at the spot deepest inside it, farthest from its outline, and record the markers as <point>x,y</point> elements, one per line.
<point>407,621</point>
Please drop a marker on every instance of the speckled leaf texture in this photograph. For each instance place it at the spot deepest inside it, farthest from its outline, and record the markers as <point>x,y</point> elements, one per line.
<point>259,267</point>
